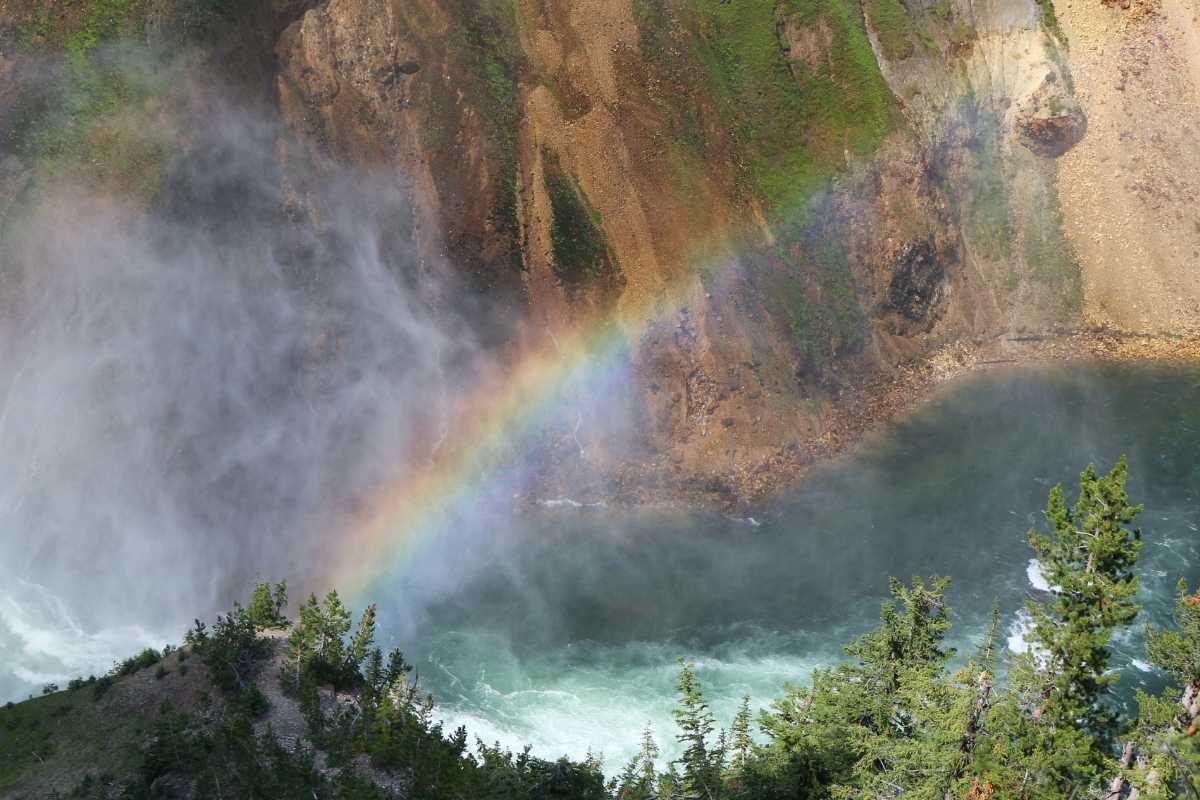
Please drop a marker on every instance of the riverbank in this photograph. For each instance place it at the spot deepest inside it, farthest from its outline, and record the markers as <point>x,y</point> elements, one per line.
<point>869,407</point>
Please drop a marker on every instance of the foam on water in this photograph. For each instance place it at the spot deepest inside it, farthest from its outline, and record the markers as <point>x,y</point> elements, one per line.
<point>42,642</point>
<point>596,698</point>
<point>1037,578</point>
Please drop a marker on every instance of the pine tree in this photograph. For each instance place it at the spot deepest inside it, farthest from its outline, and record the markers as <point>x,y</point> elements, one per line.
<point>741,741</point>
<point>397,667</point>
<point>1177,652</point>
<point>280,597</point>
<point>1088,558</point>
<point>1167,739</point>
<point>908,637</point>
<point>305,638</point>
<point>695,724</point>
<point>626,785</point>
<point>647,756</point>
<point>335,624</point>
<point>373,675</point>
<point>266,606</point>
<point>364,639</point>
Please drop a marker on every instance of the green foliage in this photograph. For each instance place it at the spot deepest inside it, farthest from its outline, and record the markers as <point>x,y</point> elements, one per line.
<point>66,732</point>
<point>230,651</point>
<point>1049,254</point>
<point>492,49</point>
<point>1050,20</point>
<point>1177,651</point>
<point>91,114</point>
<point>740,741</point>
<point>1088,557</point>
<point>228,760</point>
<point>1167,724</point>
<point>267,605</point>
<point>103,20</point>
<point>317,645</point>
<point>101,686</point>
<point>638,779</point>
<point>795,122</point>
<point>582,256</point>
<point>902,717</point>
<point>890,20</point>
<point>147,658</point>
<point>701,767</point>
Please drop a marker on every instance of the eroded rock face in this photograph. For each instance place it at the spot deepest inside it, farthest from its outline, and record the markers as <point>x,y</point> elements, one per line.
<point>889,273</point>
<point>384,84</point>
<point>1049,120</point>
<point>918,280</point>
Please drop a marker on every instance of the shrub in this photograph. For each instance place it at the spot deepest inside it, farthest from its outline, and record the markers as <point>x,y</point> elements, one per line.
<point>147,658</point>
<point>101,686</point>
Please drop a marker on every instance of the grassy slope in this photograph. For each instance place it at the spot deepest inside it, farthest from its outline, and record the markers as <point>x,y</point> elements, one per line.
<point>893,27</point>
<point>795,127</point>
<point>78,734</point>
<point>582,255</point>
<point>488,43</point>
<point>90,118</point>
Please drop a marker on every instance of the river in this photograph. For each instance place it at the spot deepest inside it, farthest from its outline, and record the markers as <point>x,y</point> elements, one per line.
<point>563,630</point>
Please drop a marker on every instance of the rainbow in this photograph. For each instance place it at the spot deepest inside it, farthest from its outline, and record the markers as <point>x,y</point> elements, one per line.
<point>487,426</point>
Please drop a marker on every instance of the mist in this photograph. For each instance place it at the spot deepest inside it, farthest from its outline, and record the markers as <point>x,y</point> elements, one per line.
<point>201,391</point>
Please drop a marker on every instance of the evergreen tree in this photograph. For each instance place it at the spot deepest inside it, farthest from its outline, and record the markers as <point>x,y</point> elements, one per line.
<point>742,742</point>
<point>1167,739</point>
<point>909,637</point>
<point>266,606</point>
<point>647,756</point>
<point>364,639</point>
<point>695,724</point>
<point>397,667</point>
<point>637,778</point>
<point>626,785</point>
<point>373,675</point>
<point>1177,652</point>
<point>1088,559</point>
<point>670,785</point>
<point>304,640</point>
<point>335,624</point>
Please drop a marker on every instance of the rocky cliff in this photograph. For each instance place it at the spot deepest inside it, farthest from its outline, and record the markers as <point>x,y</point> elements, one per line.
<point>782,202</point>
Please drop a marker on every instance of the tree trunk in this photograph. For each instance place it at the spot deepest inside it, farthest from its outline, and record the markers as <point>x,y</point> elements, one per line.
<point>1191,705</point>
<point>1117,787</point>
<point>981,704</point>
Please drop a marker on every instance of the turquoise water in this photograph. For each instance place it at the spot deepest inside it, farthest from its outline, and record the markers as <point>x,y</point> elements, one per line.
<point>562,630</point>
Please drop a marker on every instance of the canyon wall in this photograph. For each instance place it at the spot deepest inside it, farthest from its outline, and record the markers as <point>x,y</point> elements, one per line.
<point>781,202</point>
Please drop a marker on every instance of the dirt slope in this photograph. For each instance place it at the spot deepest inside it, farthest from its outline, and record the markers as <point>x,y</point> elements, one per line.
<point>1132,188</point>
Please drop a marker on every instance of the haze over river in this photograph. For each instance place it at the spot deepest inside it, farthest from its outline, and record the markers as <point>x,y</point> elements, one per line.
<point>568,637</point>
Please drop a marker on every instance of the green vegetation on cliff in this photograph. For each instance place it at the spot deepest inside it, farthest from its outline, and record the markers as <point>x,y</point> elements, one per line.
<point>582,256</point>
<point>890,20</point>
<point>493,51</point>
<point>89,116</point>
<point>797,113</point>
